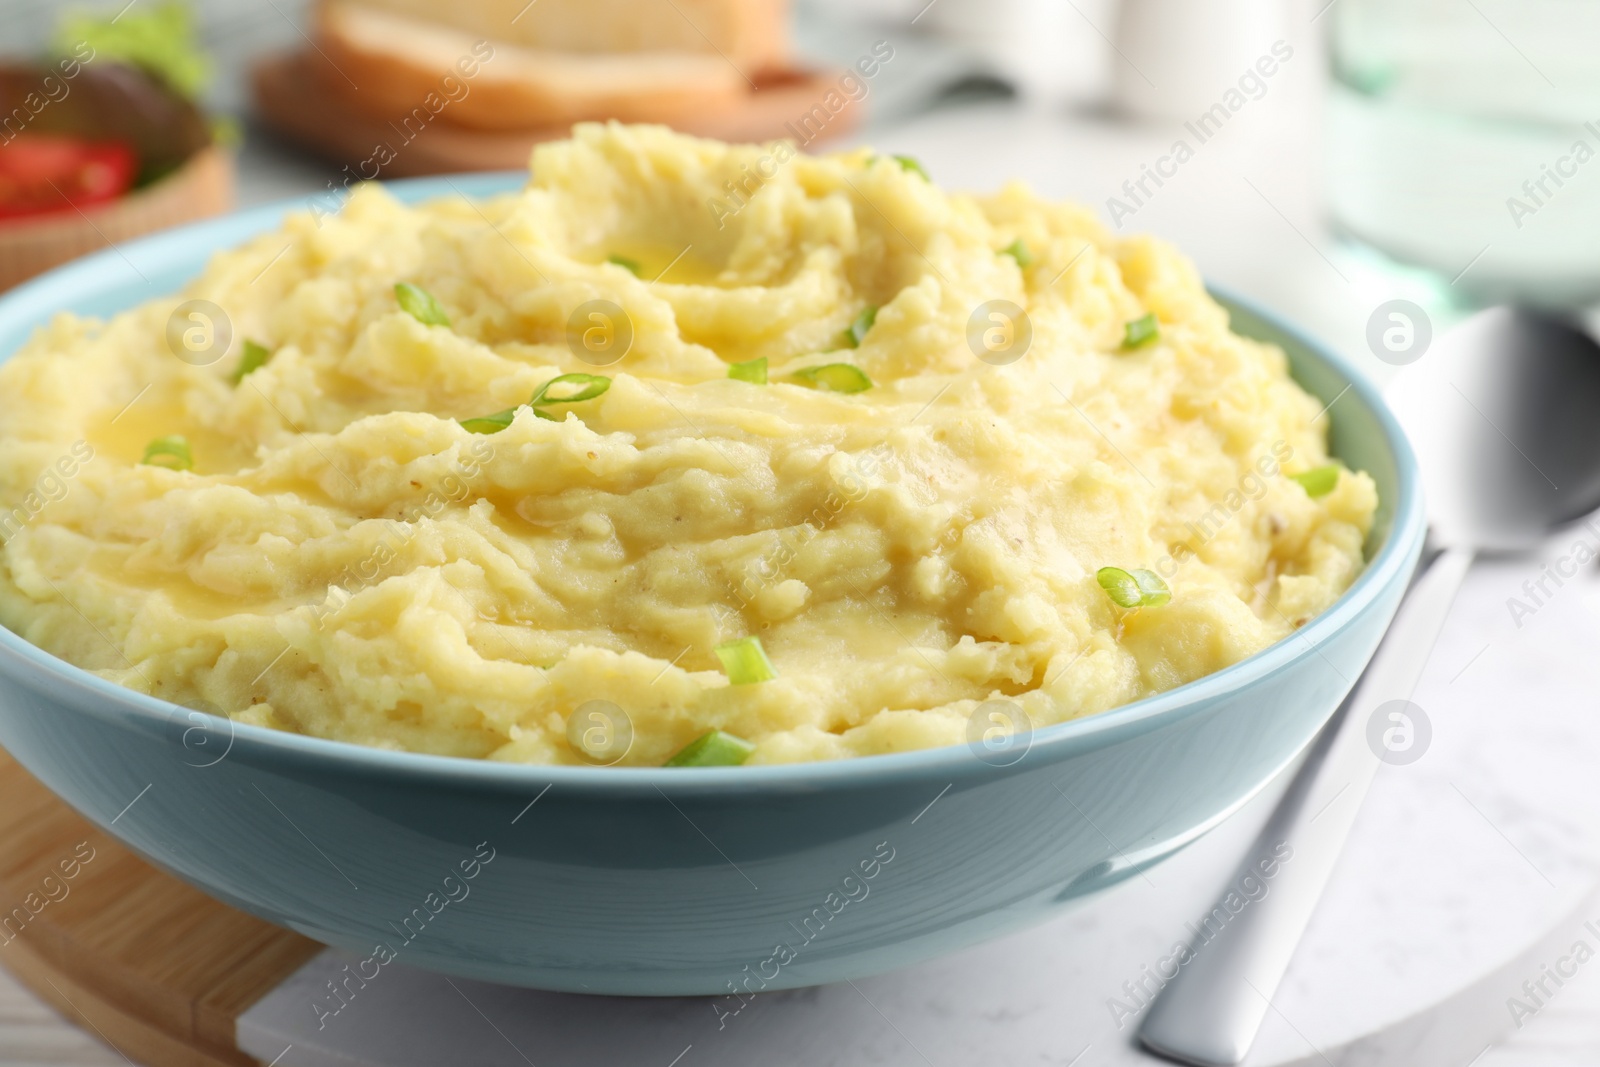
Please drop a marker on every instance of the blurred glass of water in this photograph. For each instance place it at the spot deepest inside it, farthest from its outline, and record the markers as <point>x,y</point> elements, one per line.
<point>1464,137</point>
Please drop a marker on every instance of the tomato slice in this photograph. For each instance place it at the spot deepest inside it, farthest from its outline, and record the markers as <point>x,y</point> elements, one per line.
<point>44,174</point>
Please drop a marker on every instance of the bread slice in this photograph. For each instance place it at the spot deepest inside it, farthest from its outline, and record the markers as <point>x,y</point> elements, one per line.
<point>751,34</point>
<point>398,65</point>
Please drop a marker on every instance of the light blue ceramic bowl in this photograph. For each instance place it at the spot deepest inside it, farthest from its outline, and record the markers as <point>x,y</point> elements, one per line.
<point>655,881</point>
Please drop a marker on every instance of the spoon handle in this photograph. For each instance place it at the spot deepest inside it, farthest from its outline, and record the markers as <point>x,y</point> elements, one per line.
<point>1210,1012</point>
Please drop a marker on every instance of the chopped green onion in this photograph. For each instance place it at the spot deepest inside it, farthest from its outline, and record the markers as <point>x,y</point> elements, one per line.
<point>252,359</point>
<point>593,385</point>
<point>1154,589</point>
<point>836,377</point>
<point>1120,586</point>
<point>169,452</point>
<point>1318,481</point>
<point>1018,250</point>
<point>753,371</point>
<point>746,661</point>
<point>907,163</point>
<point>490,423</point>
<point>420,304</point>
<point>713,749</point>
<point>910,163</point>
<point>632,266</point>
<point>1141,331</point>
<point>1137,588</point>
<point>858,329</point>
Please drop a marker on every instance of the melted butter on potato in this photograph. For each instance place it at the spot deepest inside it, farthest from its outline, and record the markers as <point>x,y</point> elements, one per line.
<point>345,560</point>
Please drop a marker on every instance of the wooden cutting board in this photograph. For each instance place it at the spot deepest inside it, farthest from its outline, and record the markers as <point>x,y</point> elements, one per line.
<point>297,101</point>
<point>156,968</point>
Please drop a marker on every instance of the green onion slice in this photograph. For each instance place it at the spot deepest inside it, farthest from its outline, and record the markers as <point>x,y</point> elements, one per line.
<point>746,661</point>
<point>420,304</point>
<point>857,331</point>
<point>910,163</point>
<point>1318,481</point>
<point>1018,250</point>
<point>1141,331</point>
<point>632,266</point>
<point>591,386</point>
<point>170,452</point>
<point>490,423</point>
<point>1137,588</point>
<point>713,749</point>
<point>836,377</point>
<point>753,371</point>
<point>252,359</point>
<point>1154,590</point>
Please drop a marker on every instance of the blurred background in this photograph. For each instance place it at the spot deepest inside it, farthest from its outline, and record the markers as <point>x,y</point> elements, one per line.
<point>1326,157</point>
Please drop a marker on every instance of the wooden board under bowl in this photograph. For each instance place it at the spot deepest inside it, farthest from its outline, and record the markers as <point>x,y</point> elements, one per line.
<point>297,101</point>
<point>155,967</point>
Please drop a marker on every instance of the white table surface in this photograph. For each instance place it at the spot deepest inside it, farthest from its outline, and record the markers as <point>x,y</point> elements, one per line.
<point>1246,208</point>
<point>1566,1034</point>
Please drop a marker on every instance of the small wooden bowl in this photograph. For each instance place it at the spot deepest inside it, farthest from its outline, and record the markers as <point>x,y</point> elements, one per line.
<point>200,188</point>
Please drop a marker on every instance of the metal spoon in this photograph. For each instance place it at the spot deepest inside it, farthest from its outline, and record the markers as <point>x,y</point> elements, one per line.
<point>1504,413</point>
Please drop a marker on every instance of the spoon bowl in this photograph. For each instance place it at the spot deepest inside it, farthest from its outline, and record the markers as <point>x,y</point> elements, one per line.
<point>1504,414</point>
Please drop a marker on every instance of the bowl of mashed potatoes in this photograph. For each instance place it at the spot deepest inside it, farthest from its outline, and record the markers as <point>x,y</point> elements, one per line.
<point>714,536</point>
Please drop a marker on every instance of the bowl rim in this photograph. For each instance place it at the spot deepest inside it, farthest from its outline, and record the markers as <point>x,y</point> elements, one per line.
<point>127,708</point>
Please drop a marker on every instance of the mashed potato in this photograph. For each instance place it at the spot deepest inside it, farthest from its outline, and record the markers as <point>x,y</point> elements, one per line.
<point>345,559</point>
